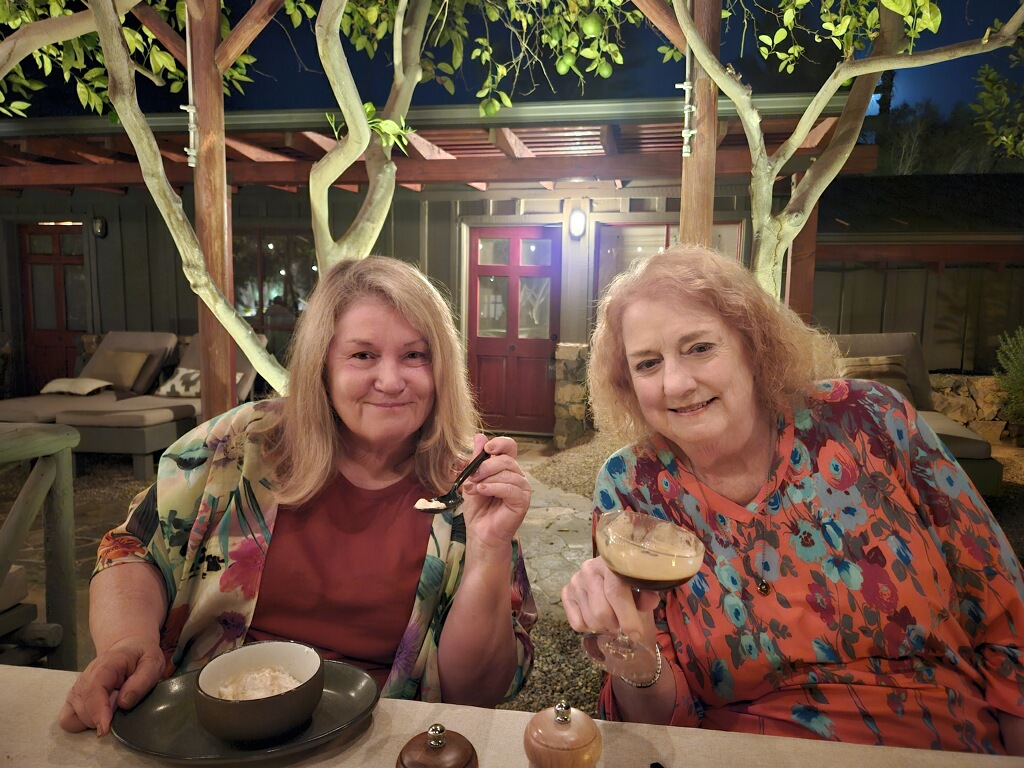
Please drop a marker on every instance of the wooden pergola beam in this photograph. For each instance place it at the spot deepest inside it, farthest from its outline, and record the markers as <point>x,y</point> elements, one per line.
<point>729,162</point>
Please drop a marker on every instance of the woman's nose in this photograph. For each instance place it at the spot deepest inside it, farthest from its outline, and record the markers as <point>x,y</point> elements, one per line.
<point>678,379</point>
<point>389,376</point>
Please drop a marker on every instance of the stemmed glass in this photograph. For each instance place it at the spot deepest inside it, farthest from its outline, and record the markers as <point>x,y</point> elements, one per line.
<point>647,553</point>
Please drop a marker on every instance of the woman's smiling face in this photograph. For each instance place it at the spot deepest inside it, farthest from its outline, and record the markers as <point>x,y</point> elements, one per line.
<point>690,375</point>
<point>381,377</point>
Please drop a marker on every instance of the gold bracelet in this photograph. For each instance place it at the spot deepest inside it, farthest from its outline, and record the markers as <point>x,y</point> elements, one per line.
<point>653,680</point>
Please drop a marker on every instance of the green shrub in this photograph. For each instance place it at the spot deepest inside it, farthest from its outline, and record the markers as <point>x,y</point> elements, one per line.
<point>1011,376</point>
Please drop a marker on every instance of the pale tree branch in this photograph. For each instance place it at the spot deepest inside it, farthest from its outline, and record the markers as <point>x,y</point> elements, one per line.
<point>828,165</point>
<point>410,24</point>
<point>122,93</point>
<point>348,149</point>
<point>31,37</point>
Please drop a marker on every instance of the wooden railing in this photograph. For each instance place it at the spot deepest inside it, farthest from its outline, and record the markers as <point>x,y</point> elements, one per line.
<point>49,486</point>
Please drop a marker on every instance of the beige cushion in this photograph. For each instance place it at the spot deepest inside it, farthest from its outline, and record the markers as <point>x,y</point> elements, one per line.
<point>118,366</point>
<point>158,413</point>
<point>79,385</point>
<point>159,346</point>
<point>890,370</point>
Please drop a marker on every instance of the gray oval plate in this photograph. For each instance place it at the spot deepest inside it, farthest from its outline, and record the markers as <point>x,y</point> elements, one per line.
<point>164,724</point>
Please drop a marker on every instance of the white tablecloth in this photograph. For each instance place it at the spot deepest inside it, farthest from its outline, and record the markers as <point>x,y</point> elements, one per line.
<point>29,736</point>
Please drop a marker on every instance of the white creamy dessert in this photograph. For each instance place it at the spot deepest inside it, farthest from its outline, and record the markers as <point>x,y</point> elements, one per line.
<point>257,684</point>
<point>429,504</point>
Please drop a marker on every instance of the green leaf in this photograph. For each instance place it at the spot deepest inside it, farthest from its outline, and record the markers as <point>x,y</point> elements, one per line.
<point>505,99</point>
<point>902,7</point>
<point>780,35</point>
<point>932,17</point>
<point>765,39</point>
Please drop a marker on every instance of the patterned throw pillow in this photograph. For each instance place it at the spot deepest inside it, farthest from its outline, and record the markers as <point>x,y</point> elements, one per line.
<point>80,385</point>
<point>890,370</point>
<point>184,383</point>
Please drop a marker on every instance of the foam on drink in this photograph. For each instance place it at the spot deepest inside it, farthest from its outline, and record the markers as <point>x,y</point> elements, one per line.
<point>649,555</point>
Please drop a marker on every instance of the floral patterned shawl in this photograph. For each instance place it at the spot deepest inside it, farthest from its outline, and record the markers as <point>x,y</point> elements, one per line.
<point>206,525</point>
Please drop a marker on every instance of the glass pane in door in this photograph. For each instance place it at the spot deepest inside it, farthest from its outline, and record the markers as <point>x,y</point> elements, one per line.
<point>304,270</point>
<point>246,278</point>
<point>39,243</point>
<point>75,309</point>
<point>534,307</point>
<point>492,316</point>
<point>493,251</point>
<point>535,253</point>
<point>72,243</point>
<point>44,309</point>
<point>276,277</point>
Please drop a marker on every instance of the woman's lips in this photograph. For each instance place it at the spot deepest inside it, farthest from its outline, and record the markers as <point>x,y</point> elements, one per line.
<point>691,408</point>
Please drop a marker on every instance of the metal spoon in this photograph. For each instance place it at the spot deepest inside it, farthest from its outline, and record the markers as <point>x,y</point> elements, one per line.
<point>453,498</point>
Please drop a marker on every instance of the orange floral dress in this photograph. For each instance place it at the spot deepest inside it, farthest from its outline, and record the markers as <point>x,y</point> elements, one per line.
<point>890,608</point>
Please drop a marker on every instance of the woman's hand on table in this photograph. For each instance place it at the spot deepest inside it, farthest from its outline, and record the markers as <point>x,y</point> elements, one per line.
<point>496,497</point>
<point>120,676</point>
<point>597,599</point>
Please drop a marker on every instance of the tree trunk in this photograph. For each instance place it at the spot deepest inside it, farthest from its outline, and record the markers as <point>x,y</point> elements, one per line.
<point>697,191</point>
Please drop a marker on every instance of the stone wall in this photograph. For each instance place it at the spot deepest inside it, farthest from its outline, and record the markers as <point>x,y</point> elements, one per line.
<point>975,401</point>
<point>571,420</point>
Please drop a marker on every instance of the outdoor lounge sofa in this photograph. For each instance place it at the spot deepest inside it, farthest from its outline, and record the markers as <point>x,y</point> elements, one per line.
<point>126,364</point>
<point>142,426</point>
<point>897,359</point>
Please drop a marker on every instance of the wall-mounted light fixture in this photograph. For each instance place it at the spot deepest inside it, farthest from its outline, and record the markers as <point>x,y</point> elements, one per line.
<point>577,223</point>
<point>99,226</point>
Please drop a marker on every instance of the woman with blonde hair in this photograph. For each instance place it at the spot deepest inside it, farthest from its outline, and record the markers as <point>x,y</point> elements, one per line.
<point>294,518</point>
<point>854,587</point>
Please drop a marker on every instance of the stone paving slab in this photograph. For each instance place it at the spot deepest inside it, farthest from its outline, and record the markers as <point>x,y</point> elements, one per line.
<point>555,535</point>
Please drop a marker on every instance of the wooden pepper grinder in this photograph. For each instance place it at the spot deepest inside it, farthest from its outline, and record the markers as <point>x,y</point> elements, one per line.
<point>437,748</point>
<point>562,737</point>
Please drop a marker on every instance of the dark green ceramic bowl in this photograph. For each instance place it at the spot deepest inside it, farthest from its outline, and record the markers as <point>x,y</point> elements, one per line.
<point>265,719</point>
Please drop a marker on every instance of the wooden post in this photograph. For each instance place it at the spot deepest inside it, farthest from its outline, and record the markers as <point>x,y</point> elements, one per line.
<point>213,213</point>
<point>799,288</point>
<point>59,554</point>
<point>697,193</point>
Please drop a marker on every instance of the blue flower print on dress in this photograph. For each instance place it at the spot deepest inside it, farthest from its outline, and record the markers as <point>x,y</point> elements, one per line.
<point>812,718</point>
<point>734,609</point>
<point>728,576</point>
<point>808,543</point>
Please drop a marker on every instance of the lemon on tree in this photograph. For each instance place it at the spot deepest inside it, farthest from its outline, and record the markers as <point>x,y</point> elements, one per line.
<point>592,24</point>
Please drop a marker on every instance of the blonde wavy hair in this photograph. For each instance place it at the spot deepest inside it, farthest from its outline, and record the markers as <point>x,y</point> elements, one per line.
<point>304,442</point>
<point>787,356</point>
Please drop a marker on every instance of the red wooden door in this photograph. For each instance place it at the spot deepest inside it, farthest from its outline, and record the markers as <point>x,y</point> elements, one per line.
<point>55,300</point>
<point>514,289</point>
